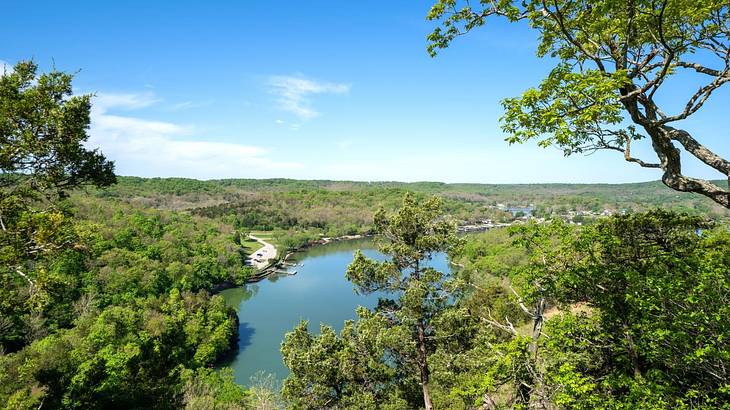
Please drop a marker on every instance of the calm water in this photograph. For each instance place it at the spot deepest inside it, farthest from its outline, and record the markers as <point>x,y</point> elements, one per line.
<point>318,293</point>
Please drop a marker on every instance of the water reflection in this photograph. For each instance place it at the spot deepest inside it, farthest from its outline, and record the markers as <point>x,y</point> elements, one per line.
<point>245,334</point>
<point>236,296</point>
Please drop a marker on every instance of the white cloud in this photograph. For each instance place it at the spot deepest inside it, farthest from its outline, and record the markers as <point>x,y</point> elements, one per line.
<point>113,125</point>
<point>154,148</point>
<point>5,68</point>
<point>293,93</point>
<point>106,101</point>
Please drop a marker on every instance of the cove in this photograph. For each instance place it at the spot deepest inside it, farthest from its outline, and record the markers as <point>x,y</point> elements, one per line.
<point>319,293</point>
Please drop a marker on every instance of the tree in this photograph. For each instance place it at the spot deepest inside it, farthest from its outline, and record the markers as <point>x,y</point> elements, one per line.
<point>345,371</point>
<point>208,389</point>
<point>42,131</point>
<point>643,297</point>
<point>412,236</point>
<point>614,58</point>
<point>382,359</point>
<point>129,357</point>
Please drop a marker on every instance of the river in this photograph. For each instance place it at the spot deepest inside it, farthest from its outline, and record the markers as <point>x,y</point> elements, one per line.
<point>319,293</point>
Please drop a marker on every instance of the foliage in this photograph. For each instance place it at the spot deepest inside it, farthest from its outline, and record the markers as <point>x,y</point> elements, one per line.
<point>42,131</point>
<point>141,251</point>
<point>128,356</point>
<point>345,371</point>
<point>614,60</point>
<point>642,314</point>
<point>207,389</point>
<point>390,346</point>
<point>336,205</point>
<point>102,305</point>
<point>105,299</point>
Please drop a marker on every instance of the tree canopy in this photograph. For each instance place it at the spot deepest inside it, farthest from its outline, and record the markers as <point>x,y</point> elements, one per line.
<point>101,305</point>
<point>643,297</point>
<point>42,131</point>
<point>384,356</point>
<point>614,58</point>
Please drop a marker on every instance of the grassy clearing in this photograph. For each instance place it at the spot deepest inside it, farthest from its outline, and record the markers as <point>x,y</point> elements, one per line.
<point>271,237</point>
<point>250,245</point>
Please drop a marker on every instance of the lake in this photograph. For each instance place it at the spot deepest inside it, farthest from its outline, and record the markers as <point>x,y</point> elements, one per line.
<point>319,293</point>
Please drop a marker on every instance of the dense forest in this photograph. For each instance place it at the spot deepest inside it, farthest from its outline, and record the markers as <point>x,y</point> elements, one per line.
<point>297,212</point>
<point>628,310</point>
<point>579,296</point>
<point>186,194</point>
<point>624,313</point>
<point>108,285</point>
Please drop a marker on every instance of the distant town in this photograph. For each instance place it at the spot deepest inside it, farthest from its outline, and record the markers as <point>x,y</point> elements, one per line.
<point>523,214</point>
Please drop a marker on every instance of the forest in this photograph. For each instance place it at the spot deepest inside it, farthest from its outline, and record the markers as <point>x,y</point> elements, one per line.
<point>578,296</point>
<point>109,287</point>
<point>123,316</point>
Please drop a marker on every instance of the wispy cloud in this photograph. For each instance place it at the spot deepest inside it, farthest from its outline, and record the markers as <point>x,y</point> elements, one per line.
<point>158,148</point>
<point>185,105</point>
<point>294,92</point>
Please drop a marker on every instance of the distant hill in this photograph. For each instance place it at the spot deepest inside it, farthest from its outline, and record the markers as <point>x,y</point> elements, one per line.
<point>183,193</point>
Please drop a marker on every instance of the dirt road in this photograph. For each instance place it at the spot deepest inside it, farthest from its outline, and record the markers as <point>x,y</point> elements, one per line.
<point>261,257</point>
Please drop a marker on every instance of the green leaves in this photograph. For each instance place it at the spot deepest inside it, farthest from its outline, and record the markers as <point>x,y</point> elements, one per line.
<point>653,291</point>
<point>338,371</point>
<point>613,58</point>
<point>95,313</point>
<point>132,354</point>
<point>42,131</point>
<point>371,276</point>
<point>380,360</point>
<point>457,20</point>
<point>568,109</point>
<point>213,389</point>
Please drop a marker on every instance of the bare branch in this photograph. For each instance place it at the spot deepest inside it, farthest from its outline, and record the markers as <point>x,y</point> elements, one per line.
<point>699,151</point>
<point>703,70</point>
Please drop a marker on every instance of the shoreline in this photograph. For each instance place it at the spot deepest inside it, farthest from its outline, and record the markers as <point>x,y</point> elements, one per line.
<point>277,264</point>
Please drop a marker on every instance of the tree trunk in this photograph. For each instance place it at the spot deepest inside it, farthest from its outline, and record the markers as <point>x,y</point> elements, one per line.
<point>669,157</point>
<point>423,365</point>
<point>537,397</point>
<point>670,162</point>
<point>537,321</point>
<point>633,355</point>
<point>488,403</point>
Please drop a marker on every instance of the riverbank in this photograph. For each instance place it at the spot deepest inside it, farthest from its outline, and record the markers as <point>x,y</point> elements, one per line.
<point>281,264</point>
<point>319,293</point>
<point>272,266</point>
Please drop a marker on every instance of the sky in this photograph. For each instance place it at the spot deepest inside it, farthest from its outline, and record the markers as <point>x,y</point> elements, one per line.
<point>308,90</point>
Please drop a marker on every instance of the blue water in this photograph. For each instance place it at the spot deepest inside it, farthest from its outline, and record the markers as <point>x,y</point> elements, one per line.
<point>319,293</point>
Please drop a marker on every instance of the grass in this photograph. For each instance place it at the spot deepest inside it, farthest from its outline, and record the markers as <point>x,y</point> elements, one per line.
<point>250,245</point>
<point>268,236</point>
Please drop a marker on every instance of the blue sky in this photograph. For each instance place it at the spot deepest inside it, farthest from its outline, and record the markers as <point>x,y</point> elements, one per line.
<point>311,90</point>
